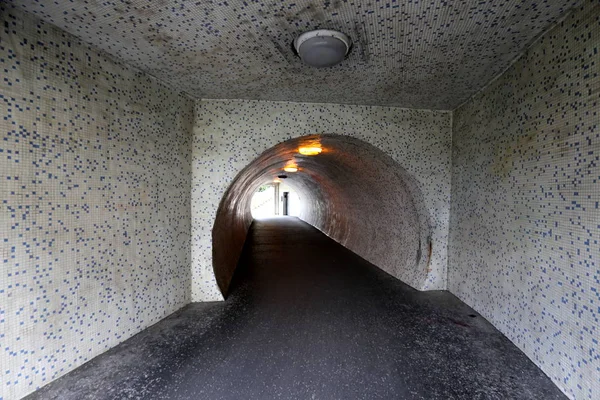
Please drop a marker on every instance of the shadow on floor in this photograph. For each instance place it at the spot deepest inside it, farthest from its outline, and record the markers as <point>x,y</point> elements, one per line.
<point>308,319</point>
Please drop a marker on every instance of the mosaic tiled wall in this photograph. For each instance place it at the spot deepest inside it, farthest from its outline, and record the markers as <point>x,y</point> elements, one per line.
<point>231,134</point>
<point>525,227</point>
<point>94,187</point>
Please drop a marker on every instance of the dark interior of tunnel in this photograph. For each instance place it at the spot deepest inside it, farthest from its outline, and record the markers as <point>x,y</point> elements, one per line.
<point>352,191</point>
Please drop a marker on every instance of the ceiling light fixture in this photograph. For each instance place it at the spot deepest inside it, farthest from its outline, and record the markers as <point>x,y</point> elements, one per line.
<point>322,48</point>
<point>310,150</point>
<point>290,168</point>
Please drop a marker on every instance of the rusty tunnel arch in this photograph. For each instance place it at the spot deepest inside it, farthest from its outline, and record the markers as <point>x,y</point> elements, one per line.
<point>353,192</point>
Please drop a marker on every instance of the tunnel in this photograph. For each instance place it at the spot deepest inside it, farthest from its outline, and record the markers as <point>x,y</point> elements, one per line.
<point>441,161</point>
<point>353,192</point>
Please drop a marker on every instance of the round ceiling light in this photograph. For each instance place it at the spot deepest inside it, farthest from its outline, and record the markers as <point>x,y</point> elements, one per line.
<point>322,48</point>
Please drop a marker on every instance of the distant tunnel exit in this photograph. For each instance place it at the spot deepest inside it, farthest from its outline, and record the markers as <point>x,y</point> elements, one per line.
<point>275,199</point>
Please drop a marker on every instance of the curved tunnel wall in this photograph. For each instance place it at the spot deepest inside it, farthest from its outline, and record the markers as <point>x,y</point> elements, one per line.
<point>352,191</point>
<point>230,134</point>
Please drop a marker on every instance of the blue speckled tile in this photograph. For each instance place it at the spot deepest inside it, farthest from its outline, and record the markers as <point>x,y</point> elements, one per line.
<point>525,227</point>
<point>94,188</point>
<point>430,54</point>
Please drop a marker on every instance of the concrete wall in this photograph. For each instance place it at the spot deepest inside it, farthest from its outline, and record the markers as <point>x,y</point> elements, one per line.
<point>94,188</point>
<point>525,227</point>
<point>230,134</point>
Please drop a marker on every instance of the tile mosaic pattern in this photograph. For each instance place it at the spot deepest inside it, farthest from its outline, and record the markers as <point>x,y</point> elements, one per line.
<point>94,186</point>
<point>352,191</point>
<point>230,134</point>
<point>430,54</point>
<point>525,228</point>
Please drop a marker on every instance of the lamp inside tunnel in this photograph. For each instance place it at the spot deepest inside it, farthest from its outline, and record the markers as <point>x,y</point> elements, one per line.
<point>354,192</point>
<point>310,150</point>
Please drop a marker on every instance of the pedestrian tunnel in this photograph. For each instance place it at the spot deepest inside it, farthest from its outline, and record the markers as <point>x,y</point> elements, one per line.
<point>348,189</point>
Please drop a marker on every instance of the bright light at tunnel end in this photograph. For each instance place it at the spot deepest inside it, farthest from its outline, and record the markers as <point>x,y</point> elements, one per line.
<point>310,150</point>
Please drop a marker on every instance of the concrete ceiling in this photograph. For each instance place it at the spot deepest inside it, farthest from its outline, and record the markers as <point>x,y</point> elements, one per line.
<point>431,54</point>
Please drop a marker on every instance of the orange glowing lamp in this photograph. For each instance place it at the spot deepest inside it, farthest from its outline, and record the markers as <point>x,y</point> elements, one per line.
<point>310,150</point>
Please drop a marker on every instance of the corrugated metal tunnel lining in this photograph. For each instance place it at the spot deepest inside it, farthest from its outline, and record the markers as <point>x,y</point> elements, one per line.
<point>352,191</point>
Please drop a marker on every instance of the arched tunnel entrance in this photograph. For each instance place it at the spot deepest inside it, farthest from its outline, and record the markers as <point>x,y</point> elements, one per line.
<point>352,191</point>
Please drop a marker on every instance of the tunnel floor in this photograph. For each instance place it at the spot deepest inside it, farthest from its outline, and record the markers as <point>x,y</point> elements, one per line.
<point>308,319</point>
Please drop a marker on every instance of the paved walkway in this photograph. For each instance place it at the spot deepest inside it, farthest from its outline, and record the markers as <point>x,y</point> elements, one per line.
<point>308,319</point>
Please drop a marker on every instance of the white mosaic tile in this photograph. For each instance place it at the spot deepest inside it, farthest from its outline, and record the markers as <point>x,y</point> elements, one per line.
<point>430,54</point>
<point>525,227</point>
<point>94,187</point>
